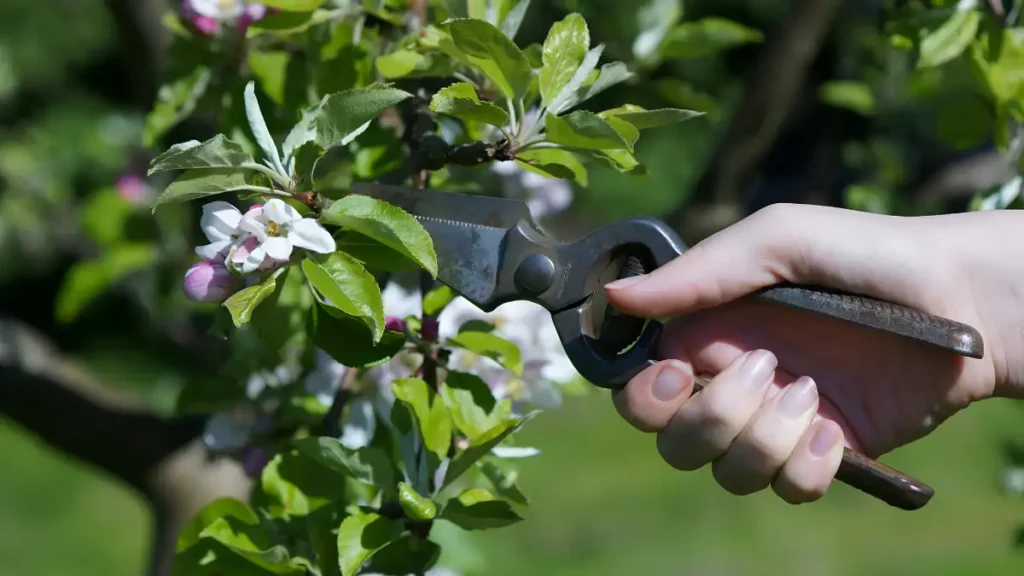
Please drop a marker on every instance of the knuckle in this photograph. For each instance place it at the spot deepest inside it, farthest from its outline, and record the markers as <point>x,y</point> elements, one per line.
<point>716,413</point>
<point>737,479</point>
<point>794,490</point>
<point>678,454</point>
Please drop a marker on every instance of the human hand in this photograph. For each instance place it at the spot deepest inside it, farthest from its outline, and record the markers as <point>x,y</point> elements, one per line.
<point>793,388</point>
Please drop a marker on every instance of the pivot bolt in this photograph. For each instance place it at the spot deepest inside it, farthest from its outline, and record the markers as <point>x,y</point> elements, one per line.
<point>535,274</point>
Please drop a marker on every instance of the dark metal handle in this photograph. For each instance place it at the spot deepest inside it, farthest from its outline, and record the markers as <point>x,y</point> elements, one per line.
<point>870,476</point>
<point>880,315</point>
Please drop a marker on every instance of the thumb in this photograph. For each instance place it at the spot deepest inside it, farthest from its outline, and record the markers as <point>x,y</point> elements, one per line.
<point>869,254</point>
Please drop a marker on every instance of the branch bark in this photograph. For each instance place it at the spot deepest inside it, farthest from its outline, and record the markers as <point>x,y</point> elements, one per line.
<point>771,96</point>
<point>59,402</point>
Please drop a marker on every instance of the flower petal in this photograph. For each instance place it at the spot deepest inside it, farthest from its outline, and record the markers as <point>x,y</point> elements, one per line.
<point>219,220</point>
<point>280,212</point>
<point>309,234</point>
<point>212,250</point>
<point>249,261</point>
<point>251,224</point>
<point>278,248</point>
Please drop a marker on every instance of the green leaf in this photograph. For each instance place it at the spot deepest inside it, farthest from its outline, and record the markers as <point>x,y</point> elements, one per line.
<point>950,39</point>
<point>706,37</point>
<point>88,279</point>
<point>351,343</point>
<point>243,303</point>
<point>654,20</point>
<point>483,446</point>
<point>435,423</point>
<point>270,67</point>
<point>514,19</point>
<point>415,506</point>
<point>372,254</point>
<point>494,54</point>
<point>496,348</point>
<point>582,129</point>
<point>217,152</point>
<point>218,508</point>
<point>567,43</point>
<point>340,117</point>
<point>346,285</point>
<point>293,485</point>
<point>175,101</point>
<point>573,93</point>
<point>360,536</point>
<point>472,406</point>
<point>554,163</point>
<point>260,132</point>
<point>848,94</point>
<point>610,75</point>
<point>255,546</point>
<point>504,482</point>
<point>437,299</point>
<point>386,224</point>
<point>409,554</point>
<point>281,319</point>
<point>627,131</point>
<point>461,101</point>
<point>195,184</point>
<point>293,5</point>
<point>367,465</point>
<point>642,119</point>
<point>404,63</point>
<point>478,509</point>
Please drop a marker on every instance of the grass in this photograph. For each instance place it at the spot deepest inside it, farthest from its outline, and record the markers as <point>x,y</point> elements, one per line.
<point>603,503</point>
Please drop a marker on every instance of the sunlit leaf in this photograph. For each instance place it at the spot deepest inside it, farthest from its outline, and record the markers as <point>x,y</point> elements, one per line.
<point>343,282</point>
<point>386,224</point>
<point>494,54</point>
<point>360,536</point>
<point>567,44</point>
<point>478,509</point>
<point>461,101</point>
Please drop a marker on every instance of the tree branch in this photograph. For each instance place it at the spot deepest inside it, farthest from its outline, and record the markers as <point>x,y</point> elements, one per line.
<point>59,402</point>
<point>771,96</point>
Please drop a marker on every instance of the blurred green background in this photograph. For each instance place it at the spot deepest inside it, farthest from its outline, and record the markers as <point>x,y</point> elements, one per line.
<point>77,78</point>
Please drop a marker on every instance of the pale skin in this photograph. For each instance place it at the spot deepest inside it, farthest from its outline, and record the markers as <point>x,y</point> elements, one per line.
<point>791,388</point>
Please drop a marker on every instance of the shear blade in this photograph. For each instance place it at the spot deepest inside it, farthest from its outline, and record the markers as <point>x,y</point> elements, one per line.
<point>467,232</point>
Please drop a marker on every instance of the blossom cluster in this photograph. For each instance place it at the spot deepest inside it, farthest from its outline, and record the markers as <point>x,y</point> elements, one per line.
<point>261,239</point>
<point>209,16</point>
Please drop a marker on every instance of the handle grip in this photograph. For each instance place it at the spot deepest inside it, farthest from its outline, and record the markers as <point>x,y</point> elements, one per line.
<point>880,315</point>
<point>870,476</point>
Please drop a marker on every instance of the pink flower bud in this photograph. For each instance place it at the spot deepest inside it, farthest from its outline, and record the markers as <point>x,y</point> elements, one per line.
<point>430,328</point>
<point>208,281</point>
<point>205,25</point>
<point>253,13</point>
<point>394,324</point>
<point>132,188</point>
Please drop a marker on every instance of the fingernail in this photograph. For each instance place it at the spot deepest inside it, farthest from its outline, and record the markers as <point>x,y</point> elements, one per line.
<point>669,383</point>
<point>797,398</point>
<point>824,439</point>
<point>758,367</point>
<point>624,283</point>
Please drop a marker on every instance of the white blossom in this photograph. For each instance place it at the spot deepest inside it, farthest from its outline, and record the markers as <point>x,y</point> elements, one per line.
<point>280,229</point>
<point>529,326</point>
<point>219,223</point>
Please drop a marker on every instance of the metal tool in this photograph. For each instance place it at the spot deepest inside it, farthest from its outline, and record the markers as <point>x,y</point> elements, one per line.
<point>490,251</point>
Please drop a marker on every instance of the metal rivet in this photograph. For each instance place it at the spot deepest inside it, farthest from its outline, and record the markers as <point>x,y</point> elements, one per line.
<point>535,274</point>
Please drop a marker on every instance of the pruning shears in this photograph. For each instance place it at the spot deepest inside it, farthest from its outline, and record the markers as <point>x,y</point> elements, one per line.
<point>491,251</point>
